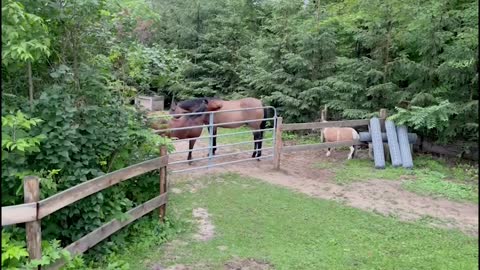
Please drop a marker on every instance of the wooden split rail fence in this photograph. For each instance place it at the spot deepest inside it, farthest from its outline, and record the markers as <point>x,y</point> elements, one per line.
<point>33,210</point>
<point>280,128</point>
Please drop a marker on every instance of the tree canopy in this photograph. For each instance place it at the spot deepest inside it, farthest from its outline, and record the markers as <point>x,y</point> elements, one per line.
<point>416,58</point>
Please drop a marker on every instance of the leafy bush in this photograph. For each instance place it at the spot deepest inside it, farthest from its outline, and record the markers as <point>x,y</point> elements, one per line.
<point>87,140</point>
<point>18,145</point>
<point>15,255</point>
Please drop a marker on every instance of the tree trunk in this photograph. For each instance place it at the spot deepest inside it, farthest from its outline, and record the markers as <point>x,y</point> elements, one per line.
<point>387,56</point>
<point>30,83</point>
<point>75,66</point>
<point>75,41</point>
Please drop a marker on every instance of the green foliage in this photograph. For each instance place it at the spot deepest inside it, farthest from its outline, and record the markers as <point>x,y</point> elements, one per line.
<point>87,141</point>
<point>24,35</point>
<point>15,255</point>
<point>18,145</point>
<point>15,130</point>
<point>434,117</point>
<point>153,68</point>
<point>125,243</point>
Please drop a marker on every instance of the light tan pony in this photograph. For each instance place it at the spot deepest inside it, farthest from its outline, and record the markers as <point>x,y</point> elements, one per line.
<point>335,134</point>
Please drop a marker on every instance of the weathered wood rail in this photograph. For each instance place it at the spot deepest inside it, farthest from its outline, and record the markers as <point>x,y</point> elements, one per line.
<point>280,128</point>
<point>33,210</point>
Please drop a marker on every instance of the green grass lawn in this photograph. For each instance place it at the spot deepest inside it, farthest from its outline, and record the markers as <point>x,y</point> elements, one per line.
<point>254,219</point>
<point>432,177</point>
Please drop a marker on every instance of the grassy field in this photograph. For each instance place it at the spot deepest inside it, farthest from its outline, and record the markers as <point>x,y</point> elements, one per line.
<point>289,230</point>
<point>433,177</point>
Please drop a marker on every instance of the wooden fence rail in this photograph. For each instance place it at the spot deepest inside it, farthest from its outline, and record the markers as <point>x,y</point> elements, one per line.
<point>280,128</point>
<point>19,213</point>
<point>305,147</point>
<point>318,125</point>
<point>33,210</point>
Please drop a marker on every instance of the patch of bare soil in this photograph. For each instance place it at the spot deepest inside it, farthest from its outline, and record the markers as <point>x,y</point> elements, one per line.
<point>175,267</point>
<point>380,196</point>
<point>248,264</point>
<point>206,230</point>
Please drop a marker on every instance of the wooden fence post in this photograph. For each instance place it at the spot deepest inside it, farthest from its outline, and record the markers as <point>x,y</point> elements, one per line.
<point>323,118</point>
<point>163,182</point>
<point>31,193</point>
<point>278,144</point>
<point>383,116</point>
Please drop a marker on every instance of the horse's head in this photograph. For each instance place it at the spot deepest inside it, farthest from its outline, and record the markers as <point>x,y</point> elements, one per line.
<point>176,109</point>
<point>195,121</point>
<point>195,105</point>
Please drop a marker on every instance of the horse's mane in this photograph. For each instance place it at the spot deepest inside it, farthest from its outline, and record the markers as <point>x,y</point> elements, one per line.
<point>193,104</point>
<point>202,107</point>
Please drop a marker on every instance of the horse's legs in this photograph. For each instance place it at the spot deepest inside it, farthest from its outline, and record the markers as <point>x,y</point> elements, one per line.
<point>259,145</point>
<point>191,143</point>
<point>214,148</point>
<point>255,144</point>
<point>214,140</point>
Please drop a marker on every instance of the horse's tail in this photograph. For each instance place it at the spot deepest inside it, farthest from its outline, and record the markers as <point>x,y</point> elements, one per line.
<point>264,121</point>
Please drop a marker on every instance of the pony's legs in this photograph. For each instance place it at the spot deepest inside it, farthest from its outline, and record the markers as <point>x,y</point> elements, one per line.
<point>191,143</point>
<point>352,152</point>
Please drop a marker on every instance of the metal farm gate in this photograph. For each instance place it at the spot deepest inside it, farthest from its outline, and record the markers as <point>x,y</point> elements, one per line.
<point>203,148</point>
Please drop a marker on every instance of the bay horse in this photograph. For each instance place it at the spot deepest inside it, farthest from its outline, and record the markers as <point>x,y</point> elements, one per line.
<point>335,134</point>
<point>194,121</point>
<point>224,119</point>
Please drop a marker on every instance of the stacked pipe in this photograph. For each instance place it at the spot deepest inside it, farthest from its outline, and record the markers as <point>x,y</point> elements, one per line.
<point>398,140</point>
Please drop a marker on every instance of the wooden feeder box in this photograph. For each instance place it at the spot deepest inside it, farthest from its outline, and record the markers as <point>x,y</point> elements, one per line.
<point>155,103</point>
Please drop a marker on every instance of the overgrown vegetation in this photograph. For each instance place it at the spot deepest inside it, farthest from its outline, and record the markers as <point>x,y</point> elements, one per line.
<point>290,230</point>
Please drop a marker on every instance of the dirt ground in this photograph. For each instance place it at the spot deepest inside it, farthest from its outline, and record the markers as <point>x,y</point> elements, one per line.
<point>385,197</point>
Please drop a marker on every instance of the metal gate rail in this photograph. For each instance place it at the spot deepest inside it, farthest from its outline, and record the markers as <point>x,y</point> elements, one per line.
<point>221,155</point>
<point>223,135</point>
<point>219,146</point>
<point>220,164</point>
